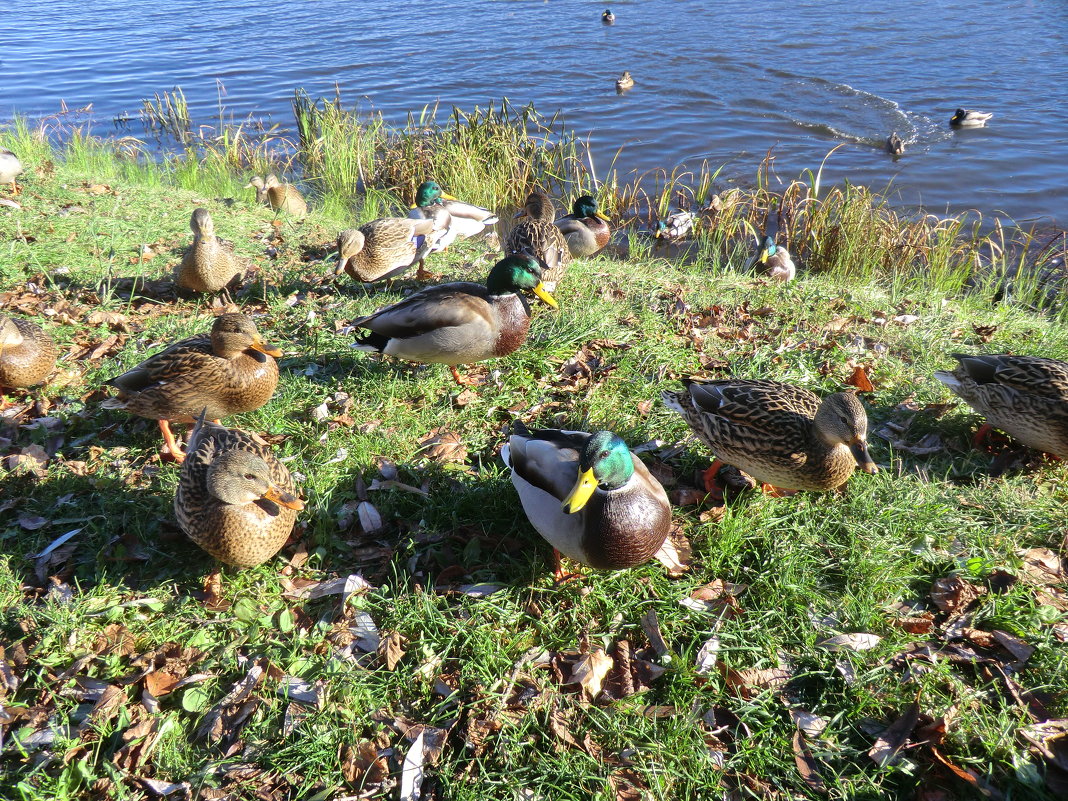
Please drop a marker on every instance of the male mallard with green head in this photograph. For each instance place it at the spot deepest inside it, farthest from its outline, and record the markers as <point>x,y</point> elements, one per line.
<point>460,322</point>
<point>464,219</point>
<point>585,228</point>
<point>1024,396</point>
<point>780,434</point>
<point>588,496</point>
<point>968,118</point>
<point>227,371</point>
<point>209,264</point>
<point>235,499</point>
<point>536,235</point>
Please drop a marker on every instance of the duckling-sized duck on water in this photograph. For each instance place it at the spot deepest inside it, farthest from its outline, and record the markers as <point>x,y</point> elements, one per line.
<point>1024,396</point>
<point>235,499</point>
<point>10,169</point>
<point>27,353</point>
<point>461,322</point>
<point>589,496</point>
<point>781,435</point>
<point>969,118</point>
<point>387,248</point>
<point>536,235</point>
<point>209,264</point>
<point>280,197</point>
<point>585,228</point>
<point>227,371</point>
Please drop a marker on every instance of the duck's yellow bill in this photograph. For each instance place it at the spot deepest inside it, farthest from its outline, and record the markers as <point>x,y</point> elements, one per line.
<point>263,347</point>
<point>764,255</point>
<point>544,295</point>
<point>581,493</point>
<point>860,452</point>
<point>283,498</point>
<point>445,196</point>
<point>602,216</point>
<point>413,206</point>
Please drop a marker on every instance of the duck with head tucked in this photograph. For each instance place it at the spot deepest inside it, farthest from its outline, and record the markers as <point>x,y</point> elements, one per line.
<point>27,353</point>
<point>384,249</point>
<point>209,264</point>
<point>460,322</point>
<point>280,197</point>
<point>780,434</point>
<point>588,496</point>
<point>1024,396</point>
<point>536,234</point>
<point>969,118</point>
<point>10,169</point>
<point>585,228</point>
<point>227,371</point>
<point>235,499</point>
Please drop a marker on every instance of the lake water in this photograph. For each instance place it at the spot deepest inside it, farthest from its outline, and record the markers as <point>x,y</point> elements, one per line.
<point>725,81</point>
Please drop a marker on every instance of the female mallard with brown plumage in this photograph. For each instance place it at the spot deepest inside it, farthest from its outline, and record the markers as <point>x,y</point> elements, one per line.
<point>588,496</point>
<point>1024,396</point>
<point>782,435</point>
<point>386,248</point>
<point>461,322</point>
<point>235,499</point>
<point>27,353</point>
<point>585,228</point>
<point>280,197</point>
<point>227,371</point>
<point>536,235</point>
<point>209,264</point>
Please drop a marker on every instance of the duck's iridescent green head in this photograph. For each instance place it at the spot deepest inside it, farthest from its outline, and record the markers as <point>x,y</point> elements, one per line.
<point>605,462</point>
<point>586,206</point>
<point>767,249</point>
<point>428,193</point>
<point>516,274</point>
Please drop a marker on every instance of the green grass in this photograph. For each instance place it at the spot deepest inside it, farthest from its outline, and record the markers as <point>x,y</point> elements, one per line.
<point>131,577</point>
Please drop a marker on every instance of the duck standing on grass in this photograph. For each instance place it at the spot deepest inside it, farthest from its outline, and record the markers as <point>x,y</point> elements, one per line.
<point>536,235</point>
<point>585,228</point>
<point>235,499</point>
<point>27,353</point>
<point>781,435</point>
<point>1024,396</point>
<point>227,371</point>
<point>280,197</point>
<point>460,322</point>
<point>209,264</point>
<point>387,248</point>
<point>967,118</point>
<point>10,169</point>
<point>588,496</point>
<point>462,220</point>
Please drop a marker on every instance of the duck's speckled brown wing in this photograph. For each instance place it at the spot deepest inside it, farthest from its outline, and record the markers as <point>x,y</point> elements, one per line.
<point>28,363</point>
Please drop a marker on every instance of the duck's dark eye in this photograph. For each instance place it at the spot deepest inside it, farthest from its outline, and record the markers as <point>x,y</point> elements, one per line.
<point>249,477</point>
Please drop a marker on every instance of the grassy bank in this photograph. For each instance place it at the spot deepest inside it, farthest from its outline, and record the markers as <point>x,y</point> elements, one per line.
<point>130,666</point>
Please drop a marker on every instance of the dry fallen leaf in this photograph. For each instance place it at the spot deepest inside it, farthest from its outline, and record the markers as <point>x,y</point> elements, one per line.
<point>590,670</point>
<point>860,380</point>
<point>859,641</point>
<point>391,648</point>
<point>894,738</point>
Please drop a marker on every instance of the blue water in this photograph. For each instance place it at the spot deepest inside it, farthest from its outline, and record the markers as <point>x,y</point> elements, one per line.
<point>725,81</point>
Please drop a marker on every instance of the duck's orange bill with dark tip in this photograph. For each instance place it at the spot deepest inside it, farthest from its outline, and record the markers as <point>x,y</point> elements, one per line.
<point>581,493</point>
<point>283,498</point>
<point>543,293</point>
<point>263,347</point>
<point>860,452</point>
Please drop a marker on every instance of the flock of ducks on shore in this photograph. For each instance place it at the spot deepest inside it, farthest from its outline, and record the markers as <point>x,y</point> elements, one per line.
<point>586,493</point>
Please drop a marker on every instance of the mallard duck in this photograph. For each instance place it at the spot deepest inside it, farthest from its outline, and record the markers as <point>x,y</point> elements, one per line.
<point>1024,396</point>
<point>228,371</point>
<point>461,322</point>
<point>235,499</point>
<point>675,226</point>
<point>624,82</point>
<point>589,496</point>
<point>608,17</point>
<point>966,118</point>
<point>209,264</point>
<point>780,434</point>
<point>464,220</point>
<point>894,145</point>
<point>585,228</point>
<point>27,353</point>
<point>10,169</point>
<point>279,196</point>
<point>536,235</point>
<point>776,261</point>
<point>386,248</point>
